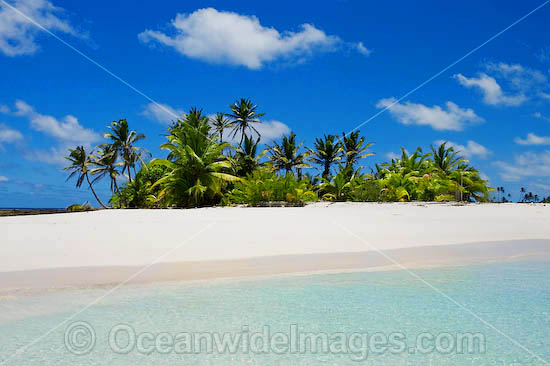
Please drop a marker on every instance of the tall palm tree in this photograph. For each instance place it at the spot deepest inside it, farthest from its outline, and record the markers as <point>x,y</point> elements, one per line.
<point>79,168</point>
<point>123,141</point>
<point>286,156</point>
<point>105,161</point>
<point>243,117</point>
<point>327,151</point>
<point>220,124</point>
<point>355,147</point>
<point>197,167</point>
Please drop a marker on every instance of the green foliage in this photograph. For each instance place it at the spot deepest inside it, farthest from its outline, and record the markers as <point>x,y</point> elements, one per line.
<point>354,147</point>
<point>286,156</point>
<point>197,169</point>
<point>243,117</point>
<point>327,152</point>
<point>141,192</point>
<point>200,169</point>
<point>123,142</point>
<point>438,176</point>
<point>79,207</point>
<point>220,124</point>
<point>79,168</point>
<point>246,158</point>
<point>263,185</point>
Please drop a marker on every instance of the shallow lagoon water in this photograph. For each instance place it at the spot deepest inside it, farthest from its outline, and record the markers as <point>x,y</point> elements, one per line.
<point>512,297</point>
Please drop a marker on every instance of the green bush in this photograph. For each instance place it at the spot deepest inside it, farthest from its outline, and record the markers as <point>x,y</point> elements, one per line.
<point>263,186</point>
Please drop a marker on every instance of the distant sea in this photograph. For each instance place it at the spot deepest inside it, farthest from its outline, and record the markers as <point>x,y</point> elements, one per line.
<point>506,304</point>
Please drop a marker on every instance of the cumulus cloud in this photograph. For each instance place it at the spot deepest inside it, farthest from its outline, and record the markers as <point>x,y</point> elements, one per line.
<point>491,90</point>
<point>18,34</point>
<point>224,37</point>
<point>9,135</point>
<point>271,130</point>
<point>67,129</point>
<point>451,117</point>
<point>533,139</point>
<point>529,164</point>
<point>519,77</point>
<point>523,84</point>
<point>67,133</point>
<point>471,149</point>
<point>162,113</point>
<point>3,179</point>
<point>55,155</point>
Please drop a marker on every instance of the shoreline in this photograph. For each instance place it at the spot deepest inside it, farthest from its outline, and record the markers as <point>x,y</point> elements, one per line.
<point>258,268</point>
<point>109,246</point>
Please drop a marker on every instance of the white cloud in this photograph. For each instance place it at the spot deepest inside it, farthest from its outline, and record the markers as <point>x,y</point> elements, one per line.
<point>519,77</point>
<point>18,35</point>
<point>362,49</point>
<point>8,134</point>
<point>53,155</point>
<point>162,113</point>
<point>492,92</point>
<point>67,132</point>
<point>529,164</point>
<point>451,118</point>
<point>68,129</point>
<point>533,139</point>
<point>3,179</point>
<point>523,84</point>
<point>269,130</point>
<point>224,37</point>
<point>471,149</point>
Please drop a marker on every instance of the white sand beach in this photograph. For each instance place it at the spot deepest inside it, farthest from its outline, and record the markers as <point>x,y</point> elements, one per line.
<point>109,246</point>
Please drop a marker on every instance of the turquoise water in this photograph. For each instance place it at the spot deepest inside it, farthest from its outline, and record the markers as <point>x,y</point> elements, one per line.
<point>513,298</point>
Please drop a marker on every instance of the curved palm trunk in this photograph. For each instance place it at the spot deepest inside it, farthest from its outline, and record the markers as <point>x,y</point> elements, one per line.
<point>93,191</point>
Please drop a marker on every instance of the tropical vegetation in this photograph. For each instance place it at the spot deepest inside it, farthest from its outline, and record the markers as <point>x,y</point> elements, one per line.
<point>201,169</point>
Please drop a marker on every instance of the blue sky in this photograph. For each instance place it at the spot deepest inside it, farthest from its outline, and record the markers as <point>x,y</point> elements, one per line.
<point>312,67</point>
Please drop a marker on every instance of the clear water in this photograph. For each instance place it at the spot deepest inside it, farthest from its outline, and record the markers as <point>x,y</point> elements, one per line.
<point>512,297</point>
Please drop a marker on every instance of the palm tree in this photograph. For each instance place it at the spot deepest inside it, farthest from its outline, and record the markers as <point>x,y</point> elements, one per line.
<point>446,159</point>
<point>326,153</point>
<point>355,147</point>
<point>106,164</point>
<point>244,116</point>
<point>197,168</point>
<point>220,124</point>
<point>246,158</point>
<point>286,156</point>
<point>123,141</point>
<point>79,168</point>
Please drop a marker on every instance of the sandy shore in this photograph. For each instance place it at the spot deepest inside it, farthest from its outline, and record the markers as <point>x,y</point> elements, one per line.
<point>109,246</point>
